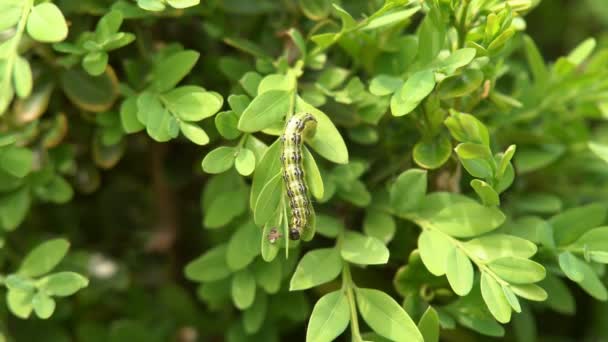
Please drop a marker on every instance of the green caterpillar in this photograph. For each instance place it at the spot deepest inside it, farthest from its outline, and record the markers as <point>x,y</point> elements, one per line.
<point>300,126</point>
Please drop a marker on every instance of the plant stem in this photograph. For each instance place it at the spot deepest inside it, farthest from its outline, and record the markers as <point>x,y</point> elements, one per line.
<point>462,24</point>
<point>348,285</point>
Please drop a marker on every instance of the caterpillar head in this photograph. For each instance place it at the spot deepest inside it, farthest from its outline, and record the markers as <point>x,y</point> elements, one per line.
<point>294,234</point>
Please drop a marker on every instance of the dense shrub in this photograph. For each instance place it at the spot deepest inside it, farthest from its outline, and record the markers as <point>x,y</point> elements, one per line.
<point>454,184</point>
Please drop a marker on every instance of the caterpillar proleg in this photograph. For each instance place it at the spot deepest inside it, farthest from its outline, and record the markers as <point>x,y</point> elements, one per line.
<point>298,127</point>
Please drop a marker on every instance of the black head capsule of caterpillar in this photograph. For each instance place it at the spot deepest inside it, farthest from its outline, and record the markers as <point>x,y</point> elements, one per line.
<point>294,234</point>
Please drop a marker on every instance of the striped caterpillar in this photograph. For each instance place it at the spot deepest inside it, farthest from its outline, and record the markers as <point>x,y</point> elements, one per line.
<point>300,126</point>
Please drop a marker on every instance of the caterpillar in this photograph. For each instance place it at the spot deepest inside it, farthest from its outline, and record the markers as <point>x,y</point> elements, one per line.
<point>300,126</point>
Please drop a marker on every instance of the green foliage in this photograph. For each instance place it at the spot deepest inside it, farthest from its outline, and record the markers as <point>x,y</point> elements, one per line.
<point>450,156</point>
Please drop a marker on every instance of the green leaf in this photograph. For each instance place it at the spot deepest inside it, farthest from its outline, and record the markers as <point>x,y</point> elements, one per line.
<point>20,303</point>
<point>468,219</point>
<point>250,82</point>
<point>532,158</point>
<point>536,61</point>
<point>194,133</point>
<point>332,77</point>
<point>599,149</point>
<point>22,77</point>
<point>558,296</point>
<point>63,284</point>
<point>591,283</point>
<point>364,250</point>
<point>43,305</point>
<point>385,316</point>
<point>151,5</point>
<point>315,9</point>
<point>467,128</point>
<point>459,271</point>
<point>435,249</point>
<point>415,89</point>
<point>329,226</point>
<point>593,240</point>
<point>494,296</point>
<point>317,267</point>
<point>173,69</point>
<point>108,25</point>
<point>313,175</point>
<point>226,124</point>
<point>529,291</point>
<point>383,85</point>
<point>390,18</point>
<point>44,257</point>
<point>17,161</point>
<point>91,93</point>
<point>128,116</point>
<point>192,103</point>
<point>245,162</point>
<point>517,270</point>
<point>95,62</point>
<point>327,141</point>
<point>254,316</point>
<point>183,3</point>
<point>582,51</point>
<point>571,224</point>
<point>269,275</point>
<point>485,192</point>
<point>511,298</point>
<point>47,24</point>
<point>473,151</point>
<point>276,82</point>
<point>457,59</point>
<point>571,266</point>
<point>433,153</point>
<point>265,110</point>
<point>219,160</point>
<point>408,190</point>
<point>269,167</point>
<point>379,224</point>
<point>431,35</point>
<point>460,85</point>
<point>269,200</point>
<point>329,318</point>
<point>243,289</point>
<point>210,266</point>
<point>21,283</point>
<point>10,13</point>
<point>490,247</point>
<point>429,325</point>
<point>243,246</point>
<point>505,161</point>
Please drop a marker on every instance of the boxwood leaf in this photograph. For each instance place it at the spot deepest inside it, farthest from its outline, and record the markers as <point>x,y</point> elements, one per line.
<point>517,270</point>
<point>243,289</point>
<point>44,257</point>
<point>315,268</point>
<point>210,266</point>
<point>459,271</point>
<point>46,23</point>
<point>365,250</point>
<point>493,295</point>
<point>329,318</point>
<point>265,110</point>
<point>385,316</point>
<point>468,219</point>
